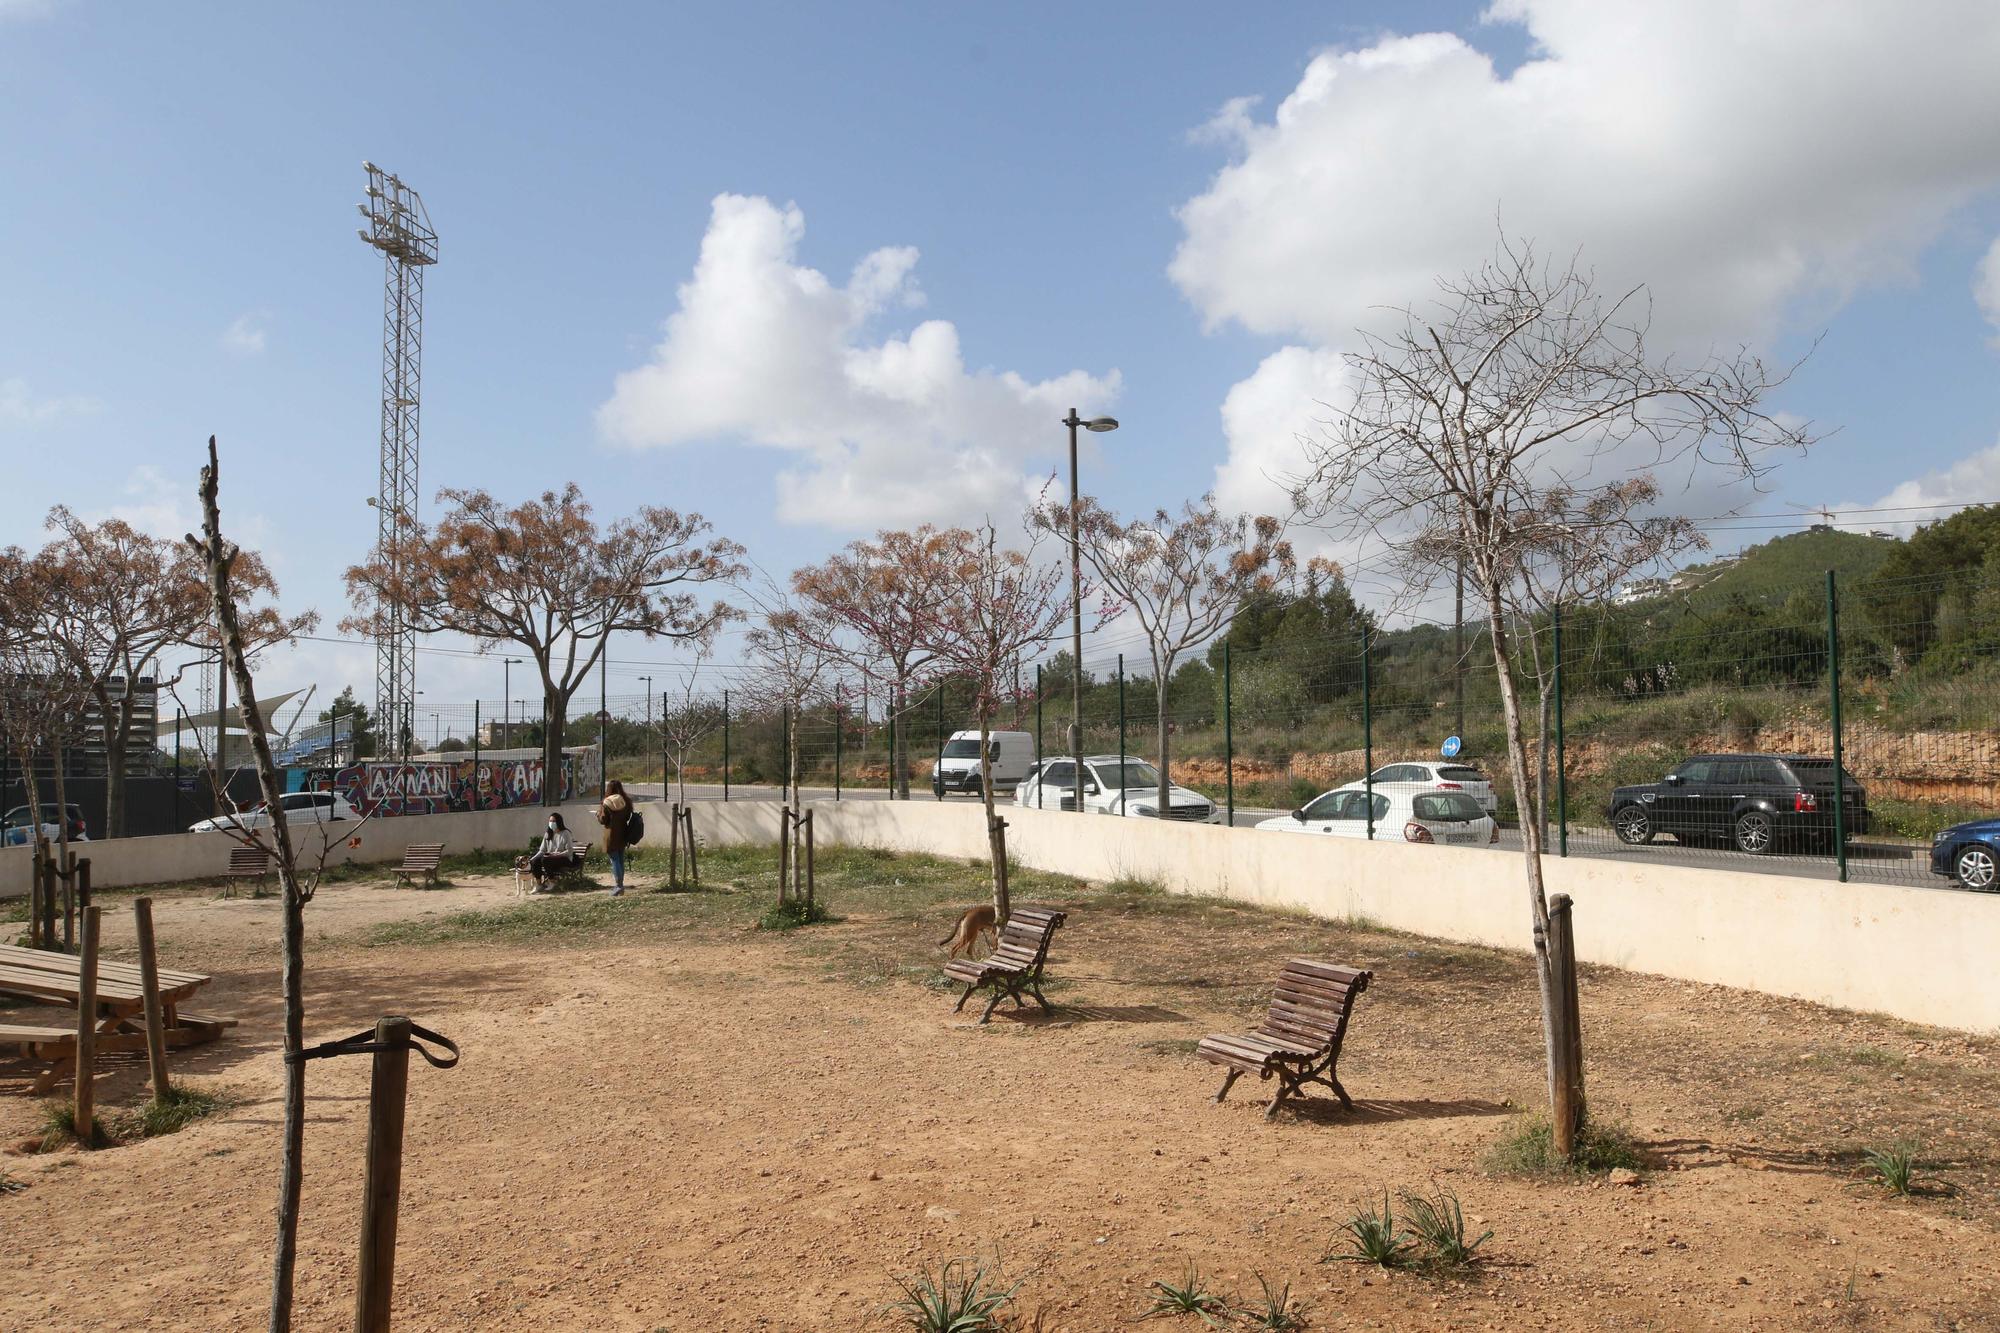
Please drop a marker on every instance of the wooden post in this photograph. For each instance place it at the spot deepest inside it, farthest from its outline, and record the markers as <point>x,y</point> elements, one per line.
<point>694,866</point>
<point>784,848</point>
<point>674,849</point>
<point>83,882</point>
<point>68,873</point>
<point>35,878</point>
<point>387,1089</point>
<point>86,1032</point>
<point>149,979</point>
<point>809,864</point>
<point>1566,1084</point>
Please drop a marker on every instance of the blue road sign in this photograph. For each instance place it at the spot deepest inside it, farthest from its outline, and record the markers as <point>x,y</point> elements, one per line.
<point>1452,745</point>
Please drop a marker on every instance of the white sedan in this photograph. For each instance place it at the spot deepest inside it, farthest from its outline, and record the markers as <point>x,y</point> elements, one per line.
<point>299,806</point>
<point>1450,817</point>
<point>1112,785</point>
<point>1431,776</point>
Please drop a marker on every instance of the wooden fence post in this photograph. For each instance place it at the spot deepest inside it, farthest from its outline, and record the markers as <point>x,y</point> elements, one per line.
<point>694,866</point>
<point>86,1032</point>
<point>809,864</point>
<point>149,980</point>
<point>1566,1095</point>
<point>387,1090</point>
<point>784,849</point>
<point>674,848</point>
<point>68,873</point>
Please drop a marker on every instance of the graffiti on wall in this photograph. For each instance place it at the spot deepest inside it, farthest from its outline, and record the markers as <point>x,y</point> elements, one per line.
<point>430,787</point>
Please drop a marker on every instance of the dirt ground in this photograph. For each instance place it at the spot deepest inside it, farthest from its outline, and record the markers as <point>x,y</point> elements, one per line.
<point>665,1119</point>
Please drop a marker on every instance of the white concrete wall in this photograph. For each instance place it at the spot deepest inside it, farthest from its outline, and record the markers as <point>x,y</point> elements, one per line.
<point>1925,955</point>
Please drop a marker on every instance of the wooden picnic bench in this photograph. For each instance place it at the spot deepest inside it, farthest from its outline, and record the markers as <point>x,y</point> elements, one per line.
<point>55,978</point>
<point>1301,1035</point>
<point>248,862</point>
<point>1016,962</point>
<point>421,858</point>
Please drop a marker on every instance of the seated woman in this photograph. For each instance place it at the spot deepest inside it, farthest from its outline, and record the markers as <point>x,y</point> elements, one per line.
<point>556,854</point>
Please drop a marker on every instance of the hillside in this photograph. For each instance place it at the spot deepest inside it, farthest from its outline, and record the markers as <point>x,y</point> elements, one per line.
<point>1773,569</point>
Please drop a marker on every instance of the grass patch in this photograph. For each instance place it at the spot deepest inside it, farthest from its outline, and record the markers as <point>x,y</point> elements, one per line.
<point>793,913</point>
<point>59,1128</point>
<point>1438,1224</point>
<point>1530,1150</point>
<point>181,1107</point>
<point>1170,1046</point>
<point>1132,886</point>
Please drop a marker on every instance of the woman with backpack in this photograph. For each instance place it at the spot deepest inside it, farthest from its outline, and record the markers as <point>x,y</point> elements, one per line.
<point>616,816</point>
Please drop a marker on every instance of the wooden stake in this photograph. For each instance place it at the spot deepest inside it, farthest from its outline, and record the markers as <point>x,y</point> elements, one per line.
<point>784,851</point>
<point>380,1195</point>
<point>83,882</point>
<point>674,851</point>
<point>694,866</point>
<point>68,873</point>
<point>149,979</point>
<point>86,1032</point>
<point>1566,1090</point>
<point>809,864</point>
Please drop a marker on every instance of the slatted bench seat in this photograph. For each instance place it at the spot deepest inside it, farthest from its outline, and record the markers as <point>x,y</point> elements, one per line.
<point>421,859</point>
<point>1300,1038</point>
<point>1015,965</point>
<point>247,863</point>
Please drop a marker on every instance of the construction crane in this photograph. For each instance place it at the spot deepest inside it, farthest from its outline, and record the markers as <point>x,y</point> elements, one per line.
<point>399,227</point>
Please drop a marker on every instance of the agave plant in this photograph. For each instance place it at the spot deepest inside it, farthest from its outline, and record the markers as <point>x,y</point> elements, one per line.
<point>961,1297</point>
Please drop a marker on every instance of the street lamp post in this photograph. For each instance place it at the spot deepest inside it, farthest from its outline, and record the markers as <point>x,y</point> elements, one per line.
<point>507,664</point>
<point>1099,425</point>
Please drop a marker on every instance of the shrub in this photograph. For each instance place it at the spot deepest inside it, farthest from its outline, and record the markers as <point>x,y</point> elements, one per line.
<point>1189,1296</point>
<point>793,913</point>
<point>181,1107</point>
<point>1894,1167</point>
<point>959,1298</point>
<point>1439,1225</point>
<point>1530,1150</point>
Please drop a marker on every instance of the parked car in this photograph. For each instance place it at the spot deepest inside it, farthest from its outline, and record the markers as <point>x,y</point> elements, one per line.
<point>1970,854</point>
<point>1012,754</point>
<point>14,825</point>
<point>1452,817</point>
<point>1112,785</point>
<point>299,806</point>
<point>1451,775</point>
<point>1757,803</point>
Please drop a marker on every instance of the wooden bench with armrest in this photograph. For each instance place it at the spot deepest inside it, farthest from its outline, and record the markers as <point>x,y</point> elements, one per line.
<point>1015,965</point>
<point>1299,1040</point>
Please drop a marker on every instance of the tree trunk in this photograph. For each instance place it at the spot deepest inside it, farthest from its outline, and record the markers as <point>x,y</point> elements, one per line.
<point>555,706</point>
<point>996,841</point>
<point>1531,842</point>
<point>62,837</point>
<point>38,908</point>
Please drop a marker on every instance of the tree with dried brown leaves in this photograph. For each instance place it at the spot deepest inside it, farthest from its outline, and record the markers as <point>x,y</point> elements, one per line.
<point>1480,435</point>
<point>1181,578</point>
<point>883,598</point>
<point>545,575</point>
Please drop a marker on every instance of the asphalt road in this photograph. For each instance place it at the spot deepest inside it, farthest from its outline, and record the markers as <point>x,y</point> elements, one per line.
<point>1868,862</point>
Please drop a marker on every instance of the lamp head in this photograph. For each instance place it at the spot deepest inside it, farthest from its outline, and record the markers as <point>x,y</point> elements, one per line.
<point>1101,424</point>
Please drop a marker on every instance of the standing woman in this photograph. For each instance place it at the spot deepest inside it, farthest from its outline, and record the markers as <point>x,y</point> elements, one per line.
<point>615,814</point>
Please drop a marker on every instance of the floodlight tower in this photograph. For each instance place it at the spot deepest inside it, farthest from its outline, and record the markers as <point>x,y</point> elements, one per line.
<point>399,227</point>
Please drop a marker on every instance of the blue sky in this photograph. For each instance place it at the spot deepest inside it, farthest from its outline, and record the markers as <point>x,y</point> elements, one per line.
<point>178,256</point>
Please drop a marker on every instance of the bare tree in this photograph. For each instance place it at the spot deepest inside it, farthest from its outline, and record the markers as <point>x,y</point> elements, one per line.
<point>42,698</point>
<point>1001,604</point>
<point>792,665</point>
<point>687,718</point>
<point>1471,441</point>
<point>1182,578</point>
<point>543,574</point>
<point>884,595</point>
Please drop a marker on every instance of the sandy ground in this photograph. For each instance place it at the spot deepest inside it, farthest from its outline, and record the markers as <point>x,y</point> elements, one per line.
<point>710,1128</point>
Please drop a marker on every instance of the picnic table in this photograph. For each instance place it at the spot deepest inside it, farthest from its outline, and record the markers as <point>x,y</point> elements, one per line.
<point>55,979</point>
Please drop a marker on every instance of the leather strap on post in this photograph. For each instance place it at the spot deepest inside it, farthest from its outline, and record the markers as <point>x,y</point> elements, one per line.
<point>362,1043</point>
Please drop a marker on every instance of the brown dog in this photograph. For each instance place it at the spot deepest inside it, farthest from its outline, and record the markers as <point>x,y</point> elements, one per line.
<point>973,923</point>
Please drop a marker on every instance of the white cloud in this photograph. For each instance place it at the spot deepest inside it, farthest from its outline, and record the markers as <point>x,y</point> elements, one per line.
<point>1747,162</point>
<point>20,407</point>
<point>886,429</point>
<point>1986,284</point>
<point>1974,479</point>
<point>245,334</point>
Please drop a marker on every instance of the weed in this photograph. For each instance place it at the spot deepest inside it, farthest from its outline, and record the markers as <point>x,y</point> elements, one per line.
<point>1275,1311</point>
<point>1875,1057</point>
<point>1170,1046</point>
<point>1438,1224</point>
<point>793,913</point>
<point>181,1107</point>
<point>1894,1167</point>
<point>1373,1237</point>
<point>1133,886</point>
<point>59,1127</point>
<point>1189,1296</point>
<point>1530,1150</point>
<point>961,1297</point>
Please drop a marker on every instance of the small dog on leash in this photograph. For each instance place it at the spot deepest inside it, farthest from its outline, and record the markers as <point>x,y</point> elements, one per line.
<point>974,922</point>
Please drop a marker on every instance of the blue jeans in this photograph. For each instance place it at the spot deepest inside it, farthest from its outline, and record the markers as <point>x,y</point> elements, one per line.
<point>617,867</point>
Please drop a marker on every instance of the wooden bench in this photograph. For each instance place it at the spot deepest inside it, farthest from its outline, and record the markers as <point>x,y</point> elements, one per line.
<point>421,859</point>
<point>247,863</point>
<point>54,978</point>
<point>1016,962</point>
<point>578,868</point>
<point>1300,1037</point>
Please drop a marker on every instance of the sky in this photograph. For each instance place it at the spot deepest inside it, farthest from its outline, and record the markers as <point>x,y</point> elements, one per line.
<point>814,270</point>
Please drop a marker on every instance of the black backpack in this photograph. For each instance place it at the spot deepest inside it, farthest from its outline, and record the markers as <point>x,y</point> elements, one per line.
<point>635,827</point>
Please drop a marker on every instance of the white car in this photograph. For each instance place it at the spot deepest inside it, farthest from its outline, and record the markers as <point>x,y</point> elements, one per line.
<point>1111,786</point>
<point>1408,778</point>
<point>1450,817</point>
<point>315,807</point>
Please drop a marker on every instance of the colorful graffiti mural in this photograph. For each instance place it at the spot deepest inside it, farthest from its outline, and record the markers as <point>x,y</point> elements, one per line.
<point>435,786</point>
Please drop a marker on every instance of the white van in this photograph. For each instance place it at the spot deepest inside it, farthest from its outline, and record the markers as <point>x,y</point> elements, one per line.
<point>1012,754</point>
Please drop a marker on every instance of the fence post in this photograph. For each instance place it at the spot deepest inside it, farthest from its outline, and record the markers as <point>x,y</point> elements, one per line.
<point>1121,725</point>
<point>1833,687</point>
<point>784,852</point>
<point>1038,718</point>
<point>388,1088</point>
<point>86,1032</point>
<point>838,727</point>
<point>149,981</point>
<point>890,709</point>
<point>1367,734</point>
<point>785,753</point>
<point>725,745</point>
<point>937,773</point>
<point>1562,776</point>
<point>1228,741</point>
<point>694,866</point>
<point>475,754</point>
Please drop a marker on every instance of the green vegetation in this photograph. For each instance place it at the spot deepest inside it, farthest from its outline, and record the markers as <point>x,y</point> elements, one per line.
<point>1530,1150</point>
<point>1373,1237</point>
<point>1188,1295</point>
<point>181,1107</point>
<point>793,913</point>
<point>1893,1167</point>
<point>1438,1224</point>
<point>961,1297</point>
<point>59,1128</point>
<point>1275,1311</point>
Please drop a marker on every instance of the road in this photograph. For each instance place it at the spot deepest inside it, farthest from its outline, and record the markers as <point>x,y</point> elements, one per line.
<point>1907,865</point>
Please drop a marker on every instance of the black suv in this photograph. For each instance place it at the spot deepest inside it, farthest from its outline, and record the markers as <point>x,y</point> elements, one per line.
<point>1756,803</point>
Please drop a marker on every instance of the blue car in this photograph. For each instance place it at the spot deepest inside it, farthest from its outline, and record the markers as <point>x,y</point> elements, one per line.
<point>1970,854</point>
